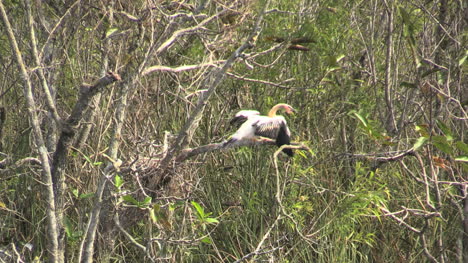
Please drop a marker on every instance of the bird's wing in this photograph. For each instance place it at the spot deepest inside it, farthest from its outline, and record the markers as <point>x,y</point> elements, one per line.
<point>274,128</point>
<point>247,113</point>
<point>243,115</point>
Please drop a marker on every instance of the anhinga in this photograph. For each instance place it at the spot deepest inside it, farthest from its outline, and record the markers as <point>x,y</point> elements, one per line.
<point>271,126</point>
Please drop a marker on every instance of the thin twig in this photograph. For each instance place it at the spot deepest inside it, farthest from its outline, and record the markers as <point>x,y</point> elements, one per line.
<point>45,86</point>
<point>258,250</point>
<point>259,81</point>
<point>170,41</point>
<point>126,234</point>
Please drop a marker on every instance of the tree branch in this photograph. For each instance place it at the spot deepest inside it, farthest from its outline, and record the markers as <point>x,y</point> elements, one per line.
<point>52,232</point>
<point>169,42</point>
<point>69,127</point>
<point>391,123</point>
<point>180,68</point>
<point>212,82</point>
<point>87,244</point>
<point>69,130</point>
<point>190,152</point>
<point>45,86</point>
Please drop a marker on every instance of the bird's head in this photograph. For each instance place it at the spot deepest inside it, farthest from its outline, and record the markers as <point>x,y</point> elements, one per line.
<point>289,109</point>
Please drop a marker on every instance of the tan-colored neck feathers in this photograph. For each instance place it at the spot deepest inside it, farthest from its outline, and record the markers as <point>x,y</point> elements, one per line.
<point>272,112</point>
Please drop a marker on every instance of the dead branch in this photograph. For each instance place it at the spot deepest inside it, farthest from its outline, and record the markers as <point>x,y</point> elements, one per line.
<point>8,165</point>
<point>258,250</point>
<point>383,158</point>
<point>126,234</point>
<point>68,134</point>
<point>280,192</point>
<point>258,81</point>
<point>69,127</point>
<point>170,41</point>
<point>190,152</point>
<point>180,68</point>
<point>391,122</point>
<point>401,221</point>
<point>212,82</point>
<point>45,86</point>
<point>55,255</point>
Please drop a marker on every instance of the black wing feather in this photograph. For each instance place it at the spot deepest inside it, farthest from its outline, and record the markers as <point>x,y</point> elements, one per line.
<point>276,130</point>
<point>283,138</point>
<point>268,130</point>
<point>238,121</point>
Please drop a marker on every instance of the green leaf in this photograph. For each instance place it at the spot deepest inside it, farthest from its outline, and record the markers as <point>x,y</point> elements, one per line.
<point>362,119</point>
<point>404,15</point>
<point>111,31</point>
<point>441,143</point>
<point>118,181</point>
<point>420,142</point>
<point>199,209</point>
<point>462,146</point>
<point>75,192</point>
<point>332,69</point>
<point>463,59</point>
<point>422,129</point>
<point>153,214</point>
<point>206,240</point>
<point>326,80</point>
<point>211,220</point>
<point>130,199</point>
<point>429,72</point>
<point>147,200</point>
<point>85,196</point>
<point>87,159</point>
<point>68,227</point>
<point>448,133</point>
<point>462,158</point>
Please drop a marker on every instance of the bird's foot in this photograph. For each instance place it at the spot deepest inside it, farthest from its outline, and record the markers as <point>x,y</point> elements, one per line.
<point>261,139</point>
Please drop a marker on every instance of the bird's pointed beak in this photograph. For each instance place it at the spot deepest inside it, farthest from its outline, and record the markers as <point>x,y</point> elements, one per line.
<point>292,111</point>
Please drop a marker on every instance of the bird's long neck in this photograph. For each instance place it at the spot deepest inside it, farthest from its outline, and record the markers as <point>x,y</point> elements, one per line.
<point>272,112</point>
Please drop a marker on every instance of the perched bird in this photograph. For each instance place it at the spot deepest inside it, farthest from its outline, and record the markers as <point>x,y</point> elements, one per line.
<point>255,125</point>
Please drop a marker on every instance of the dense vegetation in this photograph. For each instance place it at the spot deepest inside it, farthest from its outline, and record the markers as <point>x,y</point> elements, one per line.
<point>112,114</point>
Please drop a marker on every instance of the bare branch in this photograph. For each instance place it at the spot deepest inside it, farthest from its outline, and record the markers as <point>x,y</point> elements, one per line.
<point>190,152</point>
<point>258,250</point>
<point>52,232</point>
<point>69,130</point>
<point>391,122</point>
<point>279,192</point>
<point>126,234</point>
<point>7,163</point>
<point>180,68</point>
<point>45,86</point>
<point>259,81</point>
<point>57,25</point>
<point>70,125</point>
<point>399,220</point>
<point>169,42</point>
